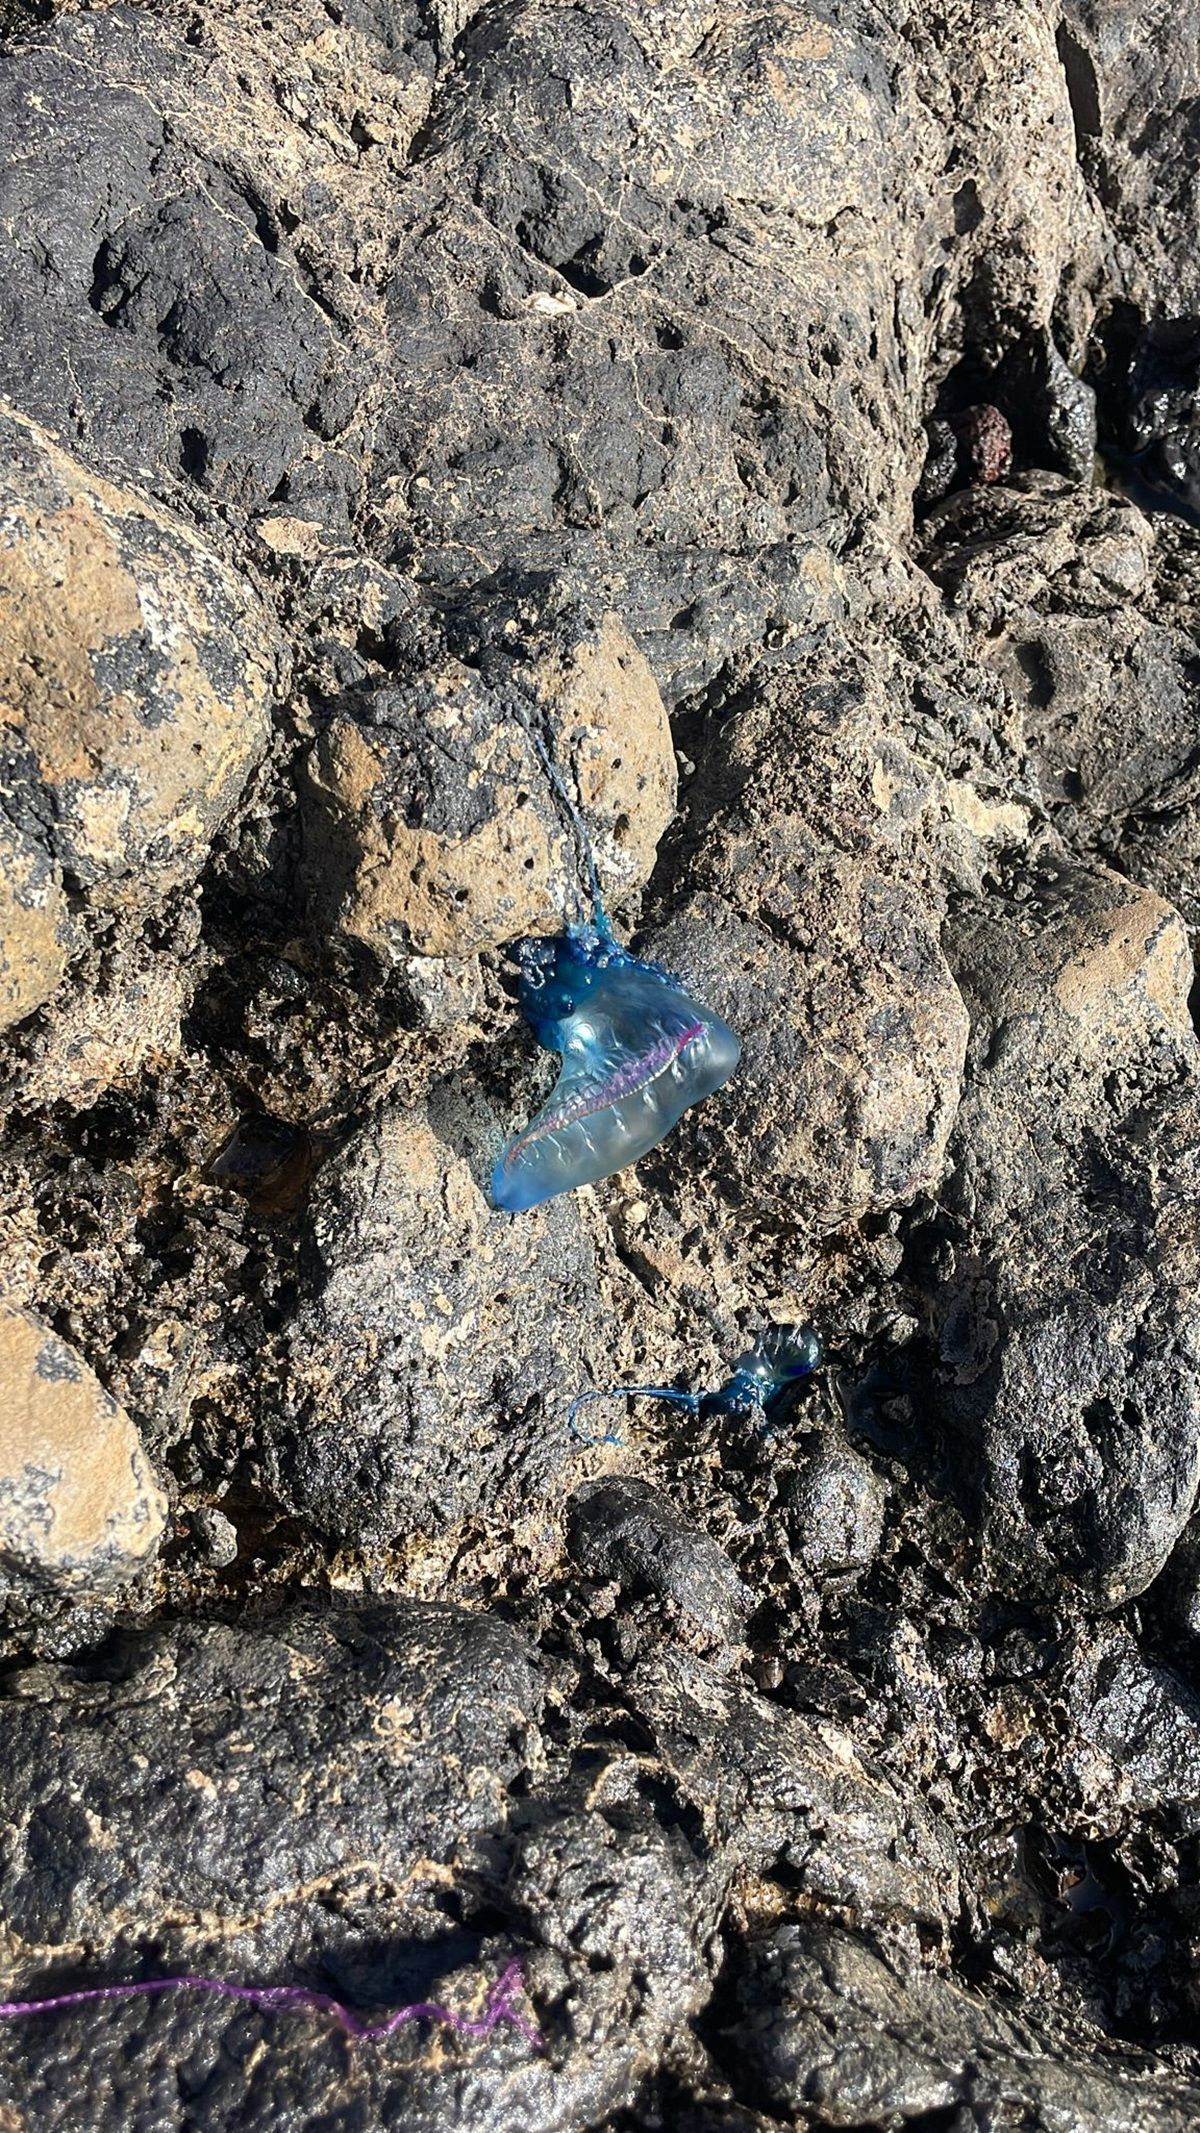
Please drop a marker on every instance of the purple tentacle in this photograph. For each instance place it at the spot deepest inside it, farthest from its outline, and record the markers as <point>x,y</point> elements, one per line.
<point>500,2005</point>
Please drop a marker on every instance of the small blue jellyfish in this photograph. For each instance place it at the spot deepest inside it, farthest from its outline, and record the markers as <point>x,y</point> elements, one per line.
<point>636,1051</point>
<point>756,1390</point>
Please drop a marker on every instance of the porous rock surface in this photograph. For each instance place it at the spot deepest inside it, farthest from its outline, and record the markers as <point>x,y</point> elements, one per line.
<point>423,832</point>
<point>424,429</point>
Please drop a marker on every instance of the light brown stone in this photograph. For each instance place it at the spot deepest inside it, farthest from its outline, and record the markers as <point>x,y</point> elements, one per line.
<point>79,1505</point>
<point>105,1039</point>
<point>433,829</point>
<point>135,670</point>
<point>33,926</point>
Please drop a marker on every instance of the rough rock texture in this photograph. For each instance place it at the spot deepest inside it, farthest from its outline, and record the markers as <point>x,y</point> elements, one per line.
<point>421,1378</point>
<point>1133,84</point>
<point>811,926</point>
<point>433,437</point>
<point>835,2035</point>
<point>784,1792</point>
<point>135,679</point>
<point>79,1505</point>
<point>34,925</point>
<point>835,1506</point>
<point>423,835</point>
<point>1069,1332</point>
<point>624,1530</point>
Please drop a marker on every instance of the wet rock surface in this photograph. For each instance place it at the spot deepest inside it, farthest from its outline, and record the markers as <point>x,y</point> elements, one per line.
<point>625,1531</point>
<point>424,427</point>
<point>1068,1336</point>
<point>834,2032</point>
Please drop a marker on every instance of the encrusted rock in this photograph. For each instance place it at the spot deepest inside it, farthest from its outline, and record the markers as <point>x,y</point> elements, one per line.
<point>626,1530</point>
<point>817,937</point>
<point>843,2034</point>
<point>426,1370</point>
<point>486,343</point>
<point>1142,1720</point>
<point>1069,1331</point>
<point>834,1503</point>
<point>80,1509</point>
<point>792,1794</point>
<point>1139,175</point>
<point>361,1800</point>
<point>106,1037</point>
<point>34,925</point>
<point>1087,609</point>
<point>433,826</point>
<point>314,1748</point>
<point>135,674</point>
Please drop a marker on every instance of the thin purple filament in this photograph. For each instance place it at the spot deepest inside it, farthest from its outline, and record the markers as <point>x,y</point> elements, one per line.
<point>500,2005</point>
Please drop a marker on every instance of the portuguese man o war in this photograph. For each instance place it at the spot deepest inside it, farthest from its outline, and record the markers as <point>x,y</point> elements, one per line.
<point>636,1051</point>
<point>758,1387</point>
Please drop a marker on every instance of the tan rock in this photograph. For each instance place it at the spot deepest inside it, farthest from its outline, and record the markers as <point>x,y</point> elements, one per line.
<point>135,671</point>
<point>105,1039</point>
<point>432,827</point>
<point>616,737</point>
<point>79,1505</point>
<point>33,926</point>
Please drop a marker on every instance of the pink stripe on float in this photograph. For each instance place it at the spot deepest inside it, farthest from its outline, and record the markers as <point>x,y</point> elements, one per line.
<point>626,1081</point>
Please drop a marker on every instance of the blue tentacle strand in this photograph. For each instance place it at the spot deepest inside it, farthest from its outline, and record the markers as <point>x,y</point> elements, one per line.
<point>756,1389</point>
<point>672,1394</point>
<point>636,1050</point>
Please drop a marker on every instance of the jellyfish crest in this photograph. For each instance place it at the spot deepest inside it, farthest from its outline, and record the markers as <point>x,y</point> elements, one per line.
<point>636,1051</point>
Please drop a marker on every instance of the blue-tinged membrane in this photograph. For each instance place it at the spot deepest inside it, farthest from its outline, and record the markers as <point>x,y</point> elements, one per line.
<point>636,1051</point>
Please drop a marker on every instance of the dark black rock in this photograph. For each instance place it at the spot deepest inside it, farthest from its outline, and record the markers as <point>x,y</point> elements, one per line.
<point>834,1504</point>
<point>1144,1718</point>
<point>940,472</point>
<point>627,1531</point>
<point>793,1796</point>
<point>345,1801</point>
<point>275,1740</point>
<point>1053,409</point>
<point>1159,420</point>
<point>1179,1589</point>
<point>1068,1334</point>
<point>840,2034</point>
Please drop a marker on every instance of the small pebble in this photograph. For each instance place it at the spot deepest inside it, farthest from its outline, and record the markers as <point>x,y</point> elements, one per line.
<point>628,1531</point>
<point>984,442</point>
<point>215,1535</point>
